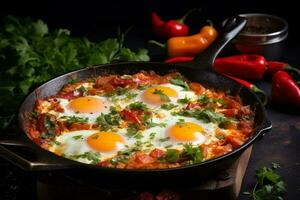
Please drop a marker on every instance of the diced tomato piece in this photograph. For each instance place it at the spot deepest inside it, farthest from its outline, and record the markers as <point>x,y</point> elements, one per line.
<point>121,82</point>
<point>58,108</point>
<point>235,141</point>
<point>245,127</point>
<point>108,88</point>
<point>221,150</point>
<point>38,104</point>
<point>94,91</point>
<point>157,153</point>
<point>230,112</point>
<point>197,88</point>
<point>143,158</point>
<point>80,126</point>
<point>41,123</point>
<point>101,81</point>
<point>235,138</point>
<point>192,106</point>
<point>104,163</point>
<point>130,116</point>
<point>232,102</point>
<point>68,95</point>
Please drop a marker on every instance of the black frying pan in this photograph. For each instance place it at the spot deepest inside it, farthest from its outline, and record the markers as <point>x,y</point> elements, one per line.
<point>29,156</point>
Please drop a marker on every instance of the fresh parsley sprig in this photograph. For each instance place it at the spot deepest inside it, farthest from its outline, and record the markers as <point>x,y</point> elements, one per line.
<point>31,54</point>
<point>269,185</point>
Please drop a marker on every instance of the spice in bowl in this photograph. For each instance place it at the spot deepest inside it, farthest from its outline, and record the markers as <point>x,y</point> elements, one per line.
<point>263,34</point>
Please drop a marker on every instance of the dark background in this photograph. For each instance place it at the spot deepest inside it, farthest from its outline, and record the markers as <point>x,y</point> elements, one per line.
<point>90,17</point>
<point>99,19</point>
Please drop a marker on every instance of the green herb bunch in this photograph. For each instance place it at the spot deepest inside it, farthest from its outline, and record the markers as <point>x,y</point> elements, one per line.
<point>30,54</point>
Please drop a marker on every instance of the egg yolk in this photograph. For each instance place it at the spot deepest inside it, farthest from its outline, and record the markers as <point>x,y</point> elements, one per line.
<point>186,132</point>
<point>86,105</point>
<point>155,95</point>
<point>105,141</point>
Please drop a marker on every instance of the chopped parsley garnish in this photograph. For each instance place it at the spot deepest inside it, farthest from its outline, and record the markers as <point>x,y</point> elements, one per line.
<point>178,81</point>
<point>172,155</point>
<point>168,106</point>
<point>204,99</point>
<point>150,124</point>
<point>163,96</point>
<point>91,156</point>
<point>168,146</point>
<point>205,115</point>
<point>164,139</point>
<point>142,87</point>
<point>132,129</point>
<point>107,121</point>
<point>130,95</point>
<point>74,119</point>
<point>49,127</point>
<point>54,143</point>
<point>247,117</point>
<point>152,135</point>
<point>194,153</point>
<point>138,136</point>
<point>180,122</point>
<point>117,92</point>
<point>220,137</point>
<point>82,90</point>
<point>138,106</point>
<point>184,101</point>
<point>34,114</point>
<point>119,159</point>
<point>77,137</point>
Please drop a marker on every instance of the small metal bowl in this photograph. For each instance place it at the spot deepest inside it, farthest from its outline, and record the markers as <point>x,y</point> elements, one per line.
<point>264,34</point>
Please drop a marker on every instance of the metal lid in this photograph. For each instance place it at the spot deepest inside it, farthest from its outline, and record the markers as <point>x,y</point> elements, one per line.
<point>262,29</point>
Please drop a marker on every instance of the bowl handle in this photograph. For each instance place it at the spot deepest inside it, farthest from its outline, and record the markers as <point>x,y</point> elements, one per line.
<point>25,154</point>
<point>230,30</point>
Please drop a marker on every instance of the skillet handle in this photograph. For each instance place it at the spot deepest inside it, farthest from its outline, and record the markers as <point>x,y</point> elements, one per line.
<point>25,154</point>
<point>266,126</point>
<point>230,30</point>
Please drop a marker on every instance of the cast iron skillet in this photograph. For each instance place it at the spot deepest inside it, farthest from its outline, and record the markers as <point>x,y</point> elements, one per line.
<point>30,156</point>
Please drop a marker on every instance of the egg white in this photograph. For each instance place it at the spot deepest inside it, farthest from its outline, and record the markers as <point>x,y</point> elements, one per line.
<point>69,145</point>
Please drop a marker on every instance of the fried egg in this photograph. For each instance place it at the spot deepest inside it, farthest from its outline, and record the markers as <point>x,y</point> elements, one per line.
<point>76,143</point>
<point>178,131</point>
<point>86,107</point>
<point>164,93</point>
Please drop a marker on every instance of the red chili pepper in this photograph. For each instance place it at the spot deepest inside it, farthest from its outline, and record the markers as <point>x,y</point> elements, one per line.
<point>275,66</point>
<point>251,86</point>
<point>171,28</point>
<point>179,59</point>
<point>248,67</point>
<point>285,90</point>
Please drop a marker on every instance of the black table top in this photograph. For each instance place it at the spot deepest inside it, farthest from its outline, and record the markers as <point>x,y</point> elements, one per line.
<point>281,144</point>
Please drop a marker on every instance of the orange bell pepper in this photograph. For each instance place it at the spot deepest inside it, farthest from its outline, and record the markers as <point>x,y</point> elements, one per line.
<point>192,45</point>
